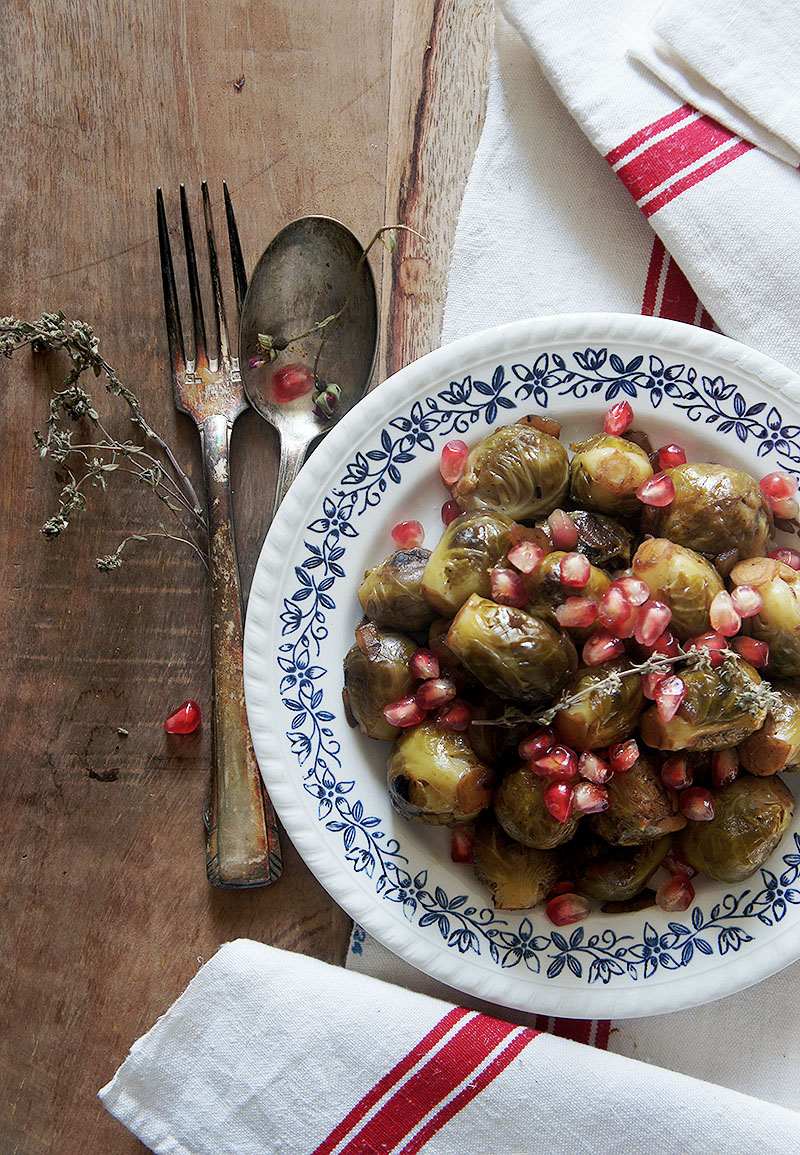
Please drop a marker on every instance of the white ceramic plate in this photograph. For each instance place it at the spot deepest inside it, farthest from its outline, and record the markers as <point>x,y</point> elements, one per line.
<point>722,402</point>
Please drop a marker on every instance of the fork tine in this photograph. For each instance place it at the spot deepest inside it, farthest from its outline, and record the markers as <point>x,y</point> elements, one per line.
<point>200,354</point>
<point>223,344</point>
<point>172,313</point>
<point>237,260</point>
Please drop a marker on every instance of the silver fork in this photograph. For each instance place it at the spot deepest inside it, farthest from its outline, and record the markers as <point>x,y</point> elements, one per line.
<point>242,847</point>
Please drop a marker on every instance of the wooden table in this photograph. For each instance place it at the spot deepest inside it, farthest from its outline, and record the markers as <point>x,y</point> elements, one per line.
<point>365,111</point>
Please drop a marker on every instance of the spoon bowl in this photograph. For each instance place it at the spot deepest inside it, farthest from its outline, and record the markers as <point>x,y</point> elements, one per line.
<point>305,275</point>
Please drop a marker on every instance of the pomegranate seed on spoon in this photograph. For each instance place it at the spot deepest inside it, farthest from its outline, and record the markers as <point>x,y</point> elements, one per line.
<point>669,456</point>
<point>747,601</point>
<point>408,534</point>
<point>184,720</point>
<point>577,613</point>
<point>753,651</point>
<point>563,530</point>
<point>526,556</point>
<point>790,557</point>
<point>452,462</point>
<point>618,418</point>
<point>676,893</point>
<point>565,909</point>
<point>507,588</point>
<point>722,616</point>
<point>292,381</point>
<point>657,490</point>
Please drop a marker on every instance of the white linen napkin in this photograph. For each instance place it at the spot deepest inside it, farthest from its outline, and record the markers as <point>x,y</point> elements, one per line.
<point>267,1051</point>
<point>736,60</point>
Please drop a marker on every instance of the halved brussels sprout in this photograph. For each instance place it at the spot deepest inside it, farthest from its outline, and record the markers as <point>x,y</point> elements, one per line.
<point>435,776</point>
<point>617,873</point>
<point>680,578</point>
<point>519,808</point>
<point>609,712</point>
<point>518,470</point>
<point>778,621</point>
<point>459,565</point>
<point>717,511</point>
<point>721,707</point>
<point>750,817</point>
<point>640,807</point>
<point>776,746</point>
<point>375,673</point>
<point>514,654</point>
<point>546,591</point>
<point>518,876</point>
<point>391,593</point>
<point>605,473</point>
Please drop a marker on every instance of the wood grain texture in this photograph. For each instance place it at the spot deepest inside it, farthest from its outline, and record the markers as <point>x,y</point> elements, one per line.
<point>105,912</point>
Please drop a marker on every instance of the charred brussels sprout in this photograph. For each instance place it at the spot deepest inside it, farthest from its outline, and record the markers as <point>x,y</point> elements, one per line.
<point>750,817</point>
<point>606,472</point>
<point>776,746</point>
<point>604,541</point>
<point>546,590</point>
<point>391,593</point>
<point>718,511</point>
<point>465,553</point>
<point>518,876</point>
<point>608,713</point>
<point>640,806</point>
<point>614,874</point>
<point>513,653</point>
<point>519,808</point>
<point>375,673</point>
<point>680,578</point>
<point>721,707</point>
<point>517,469</point>
<point>778,621</point>
<point>435,776</point>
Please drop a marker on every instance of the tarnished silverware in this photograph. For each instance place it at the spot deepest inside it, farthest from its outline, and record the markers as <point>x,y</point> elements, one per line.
<point>242,846</point>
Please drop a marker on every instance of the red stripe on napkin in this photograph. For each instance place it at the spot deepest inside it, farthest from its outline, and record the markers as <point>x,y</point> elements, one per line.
<point>667,293</point>
<point>736,149</point>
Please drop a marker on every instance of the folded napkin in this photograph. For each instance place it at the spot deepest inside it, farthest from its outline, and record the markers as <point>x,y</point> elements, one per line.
<point>272,1052</point>
<point>736,60</point>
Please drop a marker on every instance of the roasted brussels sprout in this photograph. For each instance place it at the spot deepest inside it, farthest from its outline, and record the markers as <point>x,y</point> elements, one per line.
<point>609,712</point>
<point>680,578</point>
<point>460,563</point>
<point>513,653</point>
<point>604,541</point>
<point>718,511</point>
<point>546,590</point>
<point>750,817</point>
<point>519,808</point>
<point>778,621</point>
<point>518,470</point>
<point>605,473</point>
<point>375,673</point>
<point>776,746</point>
<point>640,806</point>
<point>617,873</point>
<point>391,593</point>
<point>435,776</point>
<point>518,876</point>
<point>721,707</point>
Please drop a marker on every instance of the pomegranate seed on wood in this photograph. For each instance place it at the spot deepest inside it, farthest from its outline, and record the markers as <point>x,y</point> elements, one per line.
<point>618,418</point>
<point>677,893</point>
<point>404,712</point>
<point>671,455</point>
<point>697,804</point>
<point>536,744</point>
<point>452,462</point>
<point>778,486</point>
<point>424,664</point>
<point>456,715</point>
<point>753,651</point>
<point>593,769</point>
<point>602,648</point>
<point>657,490</point>
<point>790,557</point>
<point>722,616</point>
<point>622,755</point>
<point>747,601</point>
<point>526,556</point>
<point>507,587</point>
<point>408,534</point>
<point>724,767</point>
<point>435,692</point>
<point>669,694</point>
<point>565,909</point>
<point>677,772</point>
<point>589,798</point>
<point>461,840</point>
<point>577,613</point>
<point>574,569</point>
<point>563,530</point>
<point>184,720</point>
<point>558,762</point>
<point>450,511</point>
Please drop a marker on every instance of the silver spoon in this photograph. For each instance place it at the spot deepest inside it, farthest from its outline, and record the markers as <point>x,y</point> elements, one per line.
<point>305,275</point>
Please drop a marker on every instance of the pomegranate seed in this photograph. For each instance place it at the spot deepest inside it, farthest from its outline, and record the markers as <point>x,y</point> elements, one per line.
<point>526,556</point>
<point>507,587</point>
<point>558,800</point>
<point>577,613</point>
<point>563,530</point>
<point>456,715</point>
<point>593,769</point>
<point>677,772</point>
<point>636,591</point>
<point>404,712</point>
<point>714,643</point>
<point>666,644</point>
<point>747,601</point>
<point>564,887</point>
<point>724,767</point>
<point>657,490</point>
<point>785,510</point>
<point>408,534</point>
<point>778,486</point>
<point>424,664</point>
<point>654,617</point>
<point>565,909</point>
<point>677,865</point>
<point>618,419</point>
<point>602,648</point>
<point>452,462</point>
<point>650,683</point>
<point>616,611</point>
<point>536,744</point>
<point>461,839</point>
<point>622,755</point>
<point>677,893</point>
<point>435,692</point>
<point>184,720</point>
<point>787,556</point>
<point>574,570</point>
<point>559,762</point>
<point>669,695</point>
<point>753,651</point>
<point>671,455</point>
<point>292,381</point>
<point>723,617</point>
<point>697,804</point>
<point>589,798</point>
<point>450,511</point>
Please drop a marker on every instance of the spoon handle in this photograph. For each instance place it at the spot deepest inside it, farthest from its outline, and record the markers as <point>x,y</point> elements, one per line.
<point>293,454</point>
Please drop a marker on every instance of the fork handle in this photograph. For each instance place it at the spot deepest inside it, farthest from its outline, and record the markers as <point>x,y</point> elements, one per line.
<point>242,847</point>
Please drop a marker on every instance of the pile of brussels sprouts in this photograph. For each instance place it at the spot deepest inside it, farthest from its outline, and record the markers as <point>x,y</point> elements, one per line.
<point>594,676</point>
